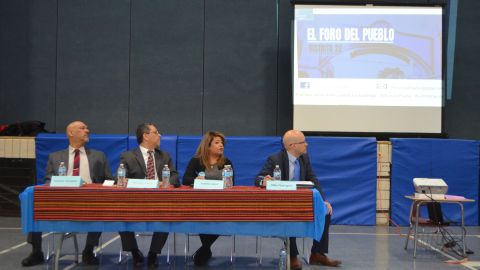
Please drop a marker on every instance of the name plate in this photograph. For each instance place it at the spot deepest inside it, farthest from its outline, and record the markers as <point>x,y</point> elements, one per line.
<point>66,181</point>
<point>207,184</point>
<point>281,185</point>
<point>142,183</point>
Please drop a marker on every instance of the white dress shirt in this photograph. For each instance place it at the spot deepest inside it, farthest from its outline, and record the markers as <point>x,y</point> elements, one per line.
<point>84,166</point>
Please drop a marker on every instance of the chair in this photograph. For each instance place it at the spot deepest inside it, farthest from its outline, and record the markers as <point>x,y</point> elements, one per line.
<point>56,246</point>
<point>59,244</point>
<point>305,255</point>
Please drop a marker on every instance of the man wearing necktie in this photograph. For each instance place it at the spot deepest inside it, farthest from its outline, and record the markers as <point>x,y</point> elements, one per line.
<point>295,165</point>
<point>146,162</point>
<point>91,165</point>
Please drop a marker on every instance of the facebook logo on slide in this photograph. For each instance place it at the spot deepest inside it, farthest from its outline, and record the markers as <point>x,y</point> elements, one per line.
<point>305,85</point>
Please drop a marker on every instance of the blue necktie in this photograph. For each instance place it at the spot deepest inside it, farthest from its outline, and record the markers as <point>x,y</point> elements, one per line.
<point>296,170</point>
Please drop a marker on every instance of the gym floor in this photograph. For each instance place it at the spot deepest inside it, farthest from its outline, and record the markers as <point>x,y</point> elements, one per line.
<point>358,247</point>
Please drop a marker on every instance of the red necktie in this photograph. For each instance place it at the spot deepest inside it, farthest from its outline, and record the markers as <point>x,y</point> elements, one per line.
<point>150,167</point>
<point>76,163</point>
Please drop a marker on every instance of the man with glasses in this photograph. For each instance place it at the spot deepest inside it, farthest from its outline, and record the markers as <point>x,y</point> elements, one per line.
<point>295,165</point>
<point>146,162</point>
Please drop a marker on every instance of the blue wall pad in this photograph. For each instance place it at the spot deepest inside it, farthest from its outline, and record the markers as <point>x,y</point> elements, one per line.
<point>186,147</point>
<point>347,171</point>
<point>111,145</point>
<point>455,161</point>
<point>346,167</point>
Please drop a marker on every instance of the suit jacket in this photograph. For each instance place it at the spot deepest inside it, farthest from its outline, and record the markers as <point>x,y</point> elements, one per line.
<point>195,166</point>
<point>136,167</point>
<point>281,159</point>
<point>97,162</point>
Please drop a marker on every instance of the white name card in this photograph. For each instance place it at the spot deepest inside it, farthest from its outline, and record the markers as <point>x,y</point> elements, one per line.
<point>281,185</point>
<point>142,183</point>
<point>108,183</point>
<point>66,181</point>
<point>207,184</point>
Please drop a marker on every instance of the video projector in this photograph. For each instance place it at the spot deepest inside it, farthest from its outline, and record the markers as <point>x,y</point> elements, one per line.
<point>430,188</point>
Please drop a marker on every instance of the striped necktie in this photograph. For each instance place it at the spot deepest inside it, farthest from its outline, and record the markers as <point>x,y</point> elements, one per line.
<point>76,163</point>
<point>150,166</point>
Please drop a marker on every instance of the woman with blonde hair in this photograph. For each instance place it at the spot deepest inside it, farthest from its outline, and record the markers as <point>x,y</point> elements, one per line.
<point>208,163</point>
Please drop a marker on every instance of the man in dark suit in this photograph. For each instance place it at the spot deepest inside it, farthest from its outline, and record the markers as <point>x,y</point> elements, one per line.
<point>295,164</point>
<point>91,165</point>
<point>147,161</point>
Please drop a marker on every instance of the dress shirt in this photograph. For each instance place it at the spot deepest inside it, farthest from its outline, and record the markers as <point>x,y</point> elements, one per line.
<point>291,166</point>
<point>84,166</point>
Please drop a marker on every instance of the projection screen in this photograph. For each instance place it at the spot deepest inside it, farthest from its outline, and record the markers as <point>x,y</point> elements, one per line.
<point>367,69</point>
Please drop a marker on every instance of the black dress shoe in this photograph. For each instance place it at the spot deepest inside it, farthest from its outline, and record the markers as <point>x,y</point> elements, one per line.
<point>89,258</point>
<point>137,257</point>
<point>152,259</point>
<point>201,256</point>
<point>33,259</point>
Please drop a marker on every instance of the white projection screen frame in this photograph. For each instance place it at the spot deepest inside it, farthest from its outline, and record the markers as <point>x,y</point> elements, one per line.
<point>373,69</point>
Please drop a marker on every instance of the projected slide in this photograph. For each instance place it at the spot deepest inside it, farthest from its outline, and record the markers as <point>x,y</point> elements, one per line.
<point>367,69</point>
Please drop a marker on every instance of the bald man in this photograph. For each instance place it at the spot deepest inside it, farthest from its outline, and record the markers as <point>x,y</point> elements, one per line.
<point>91,165</point>
<point>295,165</point>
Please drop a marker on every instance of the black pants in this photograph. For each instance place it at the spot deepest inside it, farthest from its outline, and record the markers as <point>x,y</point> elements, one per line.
<point>129,242</point>
<point>35,239</point>
<point>319,247</point>
<point>208,239</point>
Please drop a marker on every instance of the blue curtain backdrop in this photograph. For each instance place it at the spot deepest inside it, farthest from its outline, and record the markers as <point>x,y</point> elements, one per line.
<point>455,161</point>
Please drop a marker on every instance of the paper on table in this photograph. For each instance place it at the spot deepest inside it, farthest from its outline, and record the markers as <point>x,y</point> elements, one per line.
<point>304,184</point>
<point>454,197</point>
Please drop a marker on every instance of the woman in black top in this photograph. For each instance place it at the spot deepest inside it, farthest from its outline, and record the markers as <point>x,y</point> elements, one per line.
<point>209,159</point>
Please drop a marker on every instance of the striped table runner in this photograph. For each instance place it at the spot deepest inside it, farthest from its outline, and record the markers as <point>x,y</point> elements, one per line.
<point>97,203</point>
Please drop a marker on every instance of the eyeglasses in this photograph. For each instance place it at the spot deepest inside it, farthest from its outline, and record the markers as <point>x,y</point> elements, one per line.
<point>304,142</point>
<point>154,132</point>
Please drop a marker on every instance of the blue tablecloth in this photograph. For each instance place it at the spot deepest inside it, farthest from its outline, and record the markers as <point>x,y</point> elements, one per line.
<point>277,229</point>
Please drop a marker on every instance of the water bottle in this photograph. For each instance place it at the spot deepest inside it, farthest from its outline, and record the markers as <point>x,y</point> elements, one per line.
<point>62,170</point>
<point>225,176</point>
<point>282,260</point>
<point>229,176</point>
<point>165,176</point>
<point>277,173</point>
<point>121,175</point>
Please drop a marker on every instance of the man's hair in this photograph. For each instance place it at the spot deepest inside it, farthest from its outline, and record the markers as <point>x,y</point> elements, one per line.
<point>202,150</point>
<point>141,129</point>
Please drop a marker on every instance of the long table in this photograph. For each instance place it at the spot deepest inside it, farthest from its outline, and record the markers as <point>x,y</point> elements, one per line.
<point>240,210</point>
